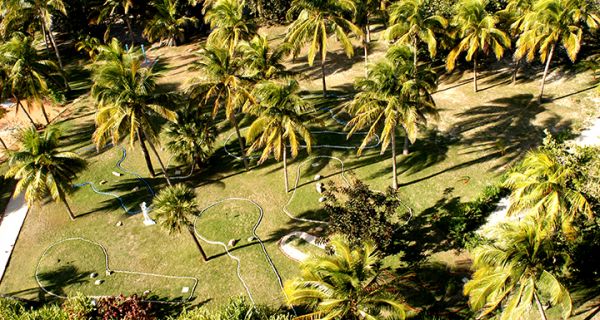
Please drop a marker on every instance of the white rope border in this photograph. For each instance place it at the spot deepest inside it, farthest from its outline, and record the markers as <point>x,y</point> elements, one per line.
<point>109,271</point>
<point>238,260</point>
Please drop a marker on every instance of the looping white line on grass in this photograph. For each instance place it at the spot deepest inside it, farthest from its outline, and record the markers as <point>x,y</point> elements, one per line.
<point>331,146</point>
<point>110,271</point>
<point>178,177</point>
<point>236,259</point>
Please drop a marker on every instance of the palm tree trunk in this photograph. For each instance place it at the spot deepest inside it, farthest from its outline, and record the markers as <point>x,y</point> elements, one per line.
<point>71,215</point>
<point>516,72</point>
<point>145,152</point>
<point>44,113</point>
<point>3,144</point>
<point>129,29</point>
<point>19,104</point>
<point>415,55</point>
<point>475,73</point>
<point>366,53</point>
<point>43,17</point>
<point>162,166</point>
<point>285,173</point>
<point>368,29</point>
<point>546,73</point>
<point>323,73</point>
<point>240,141</point>
<point>204,257</point>
<point>405,150</point>
<point>539,306</point>
<point>45,38</point>
<point>394,171</point>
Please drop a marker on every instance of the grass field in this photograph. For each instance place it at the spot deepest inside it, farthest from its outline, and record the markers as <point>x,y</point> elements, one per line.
<point>475,139</point>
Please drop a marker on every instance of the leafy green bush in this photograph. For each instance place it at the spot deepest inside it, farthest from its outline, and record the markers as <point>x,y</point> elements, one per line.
<point>236,309</point>
<point>78,307</point>
<point>11,309</point>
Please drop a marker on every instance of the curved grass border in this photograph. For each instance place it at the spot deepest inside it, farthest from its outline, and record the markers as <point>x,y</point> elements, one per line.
<point>109,271</point>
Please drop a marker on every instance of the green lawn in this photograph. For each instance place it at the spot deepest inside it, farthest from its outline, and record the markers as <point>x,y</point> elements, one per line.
<point>475,139</point>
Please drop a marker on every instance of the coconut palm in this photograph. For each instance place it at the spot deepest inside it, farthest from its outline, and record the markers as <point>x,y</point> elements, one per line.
<point>229,24</point>
<point>192,137</point>
<point>125,93</point>
<point>41,11</point>
<point>477,32</point>
<point>316,21</point>
<point>543,185</point>
<point>516,10</point>
<point>42,168</point>
<point>552,23</point>
<point>167,24</point>
<point>175,206</point>
<point>411,23</point>
<point>281,122</point>
<point>261,60</point>
<point>120,8</point>
<point>513,273</point>
<point>221,85</point>
<point>346,284</point>
<point>393,96</point>
<point>29,76</point>
<point>362,18</point>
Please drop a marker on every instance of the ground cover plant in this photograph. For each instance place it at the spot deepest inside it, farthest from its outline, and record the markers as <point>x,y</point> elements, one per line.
<point>231,151</point>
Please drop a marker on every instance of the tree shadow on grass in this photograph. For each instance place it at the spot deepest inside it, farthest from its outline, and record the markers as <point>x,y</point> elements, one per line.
<point>336,62</point>
<point>57,280</point>
<point>436,290</point>
<point>505,128</point>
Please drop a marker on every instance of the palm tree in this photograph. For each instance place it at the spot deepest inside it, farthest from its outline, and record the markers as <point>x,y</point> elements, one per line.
<point>40,10</point>
<point>167,24</point>
<point>229,24</point>
<point>28,73</point>
<point>543,185</point>
<point>551,23</point>
<point>316,21</point>
<point>262,62</point>
<point>281,121</point>
<point>478,32</point>
<point>174,207</point>
<point>516,11</point>
<point>192,137</point>
<point>346,284</point>
<point>42,169</point>
<point>411,23</point>
<point>362,18</point>
<point>121,8</point>
<point>222,86</point>
<point>393,95</point>
<point>125,93</point>
<point>514,273</point>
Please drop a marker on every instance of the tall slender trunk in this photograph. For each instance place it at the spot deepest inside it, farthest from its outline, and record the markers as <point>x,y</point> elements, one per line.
<point>549,59</point>
<point>285,173</point>
<point>539,306</point>
<point>129,29</point>
<point>475,73</point>
<point>43,17</point>
<point>323,73</point>
<point>145,152</point>
<point>162,166</point>
<point>405,150</point>
<point>204,257</point>
<point>240,141</point>
<point>366,54</point>
<point>44,113</point>
<point>368,29</point>
<point>45,38</point>
<point>3,144</point>
<point>19,104</point>
<point>516,72</point>
<point>394,171</point>
<point>71,215</point>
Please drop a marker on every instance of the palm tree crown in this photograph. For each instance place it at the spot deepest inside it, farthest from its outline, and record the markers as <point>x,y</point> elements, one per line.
<point>125,92</point>
<point>347,284</point>
<point>394,95</point>
<point>514,273</point>
<point>316,21</point>
<point>281,120</point>
<point>175,206</point>
<point>261,60</point>
<point>42,168</point>
<point>229,24</point>
<point>29,75</point>
<point>167,24</point>
<point>478,32</point>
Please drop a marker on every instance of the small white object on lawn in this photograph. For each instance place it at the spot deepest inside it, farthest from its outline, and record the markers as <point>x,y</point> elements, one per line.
<point>98,282</point>
<point>317,177</point>
<point>322,199</point>
<point>185,289</point>
<point>116,174</point>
